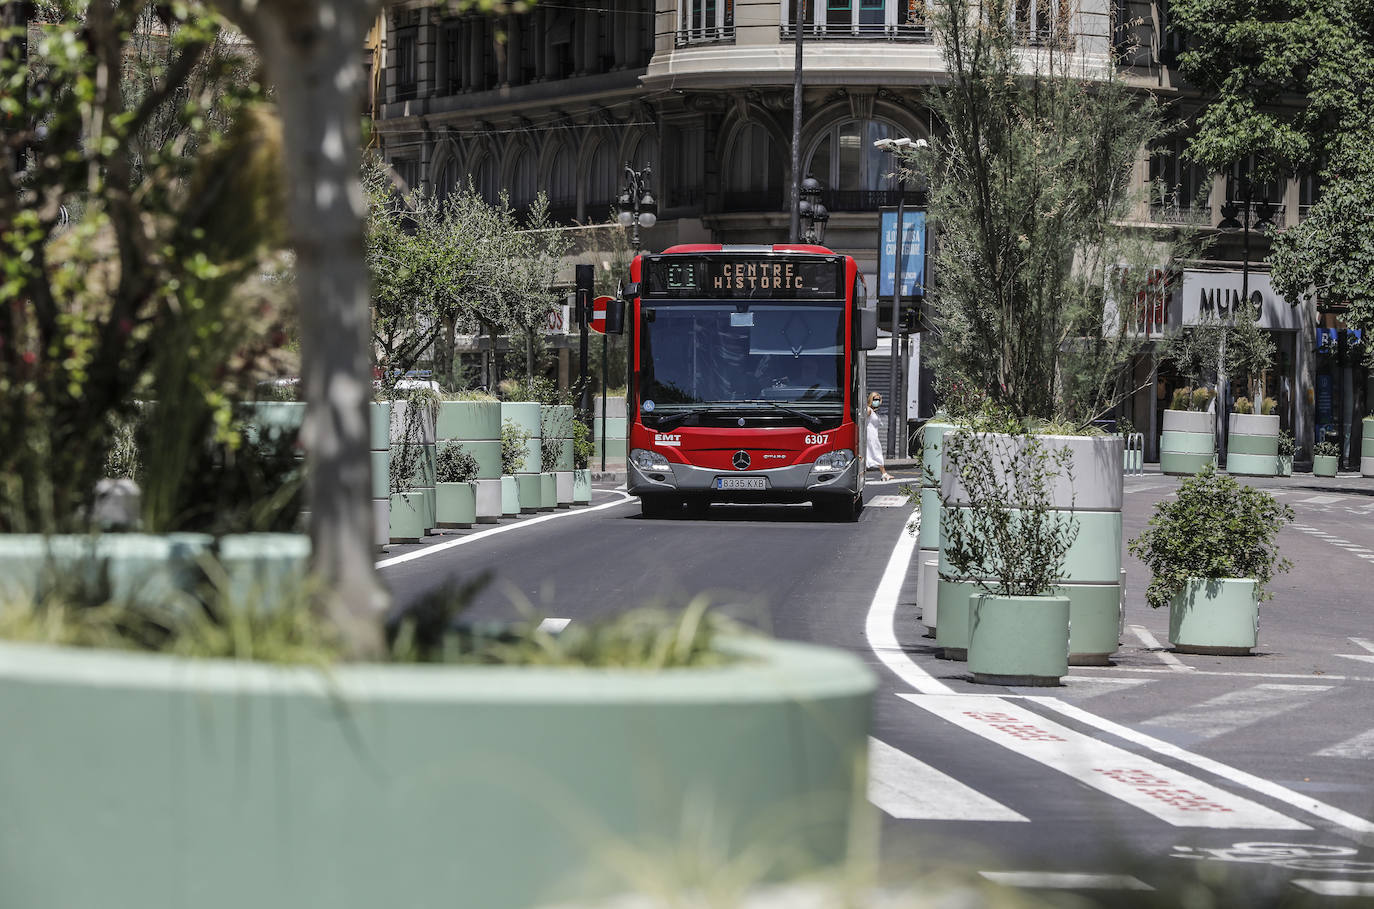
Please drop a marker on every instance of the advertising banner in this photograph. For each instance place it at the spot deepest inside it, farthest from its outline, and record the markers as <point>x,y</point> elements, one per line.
<point>913,253</point>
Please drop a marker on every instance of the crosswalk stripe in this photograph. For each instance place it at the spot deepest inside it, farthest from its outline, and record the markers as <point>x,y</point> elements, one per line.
<point>1360,747</point>
<point>1234,709</point>
<point>887,501</point>
<point>908,789</point>
<point>1168,794</point>
<point>1064,880</point>
<point>1320,500</point>
<point>1337,888</point>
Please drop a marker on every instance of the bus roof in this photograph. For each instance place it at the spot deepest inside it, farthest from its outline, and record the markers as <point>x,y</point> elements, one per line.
<point>761,248</point>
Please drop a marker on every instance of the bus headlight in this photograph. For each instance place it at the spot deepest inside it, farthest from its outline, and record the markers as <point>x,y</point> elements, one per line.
<point>648,460</point>
<point>835,460</point>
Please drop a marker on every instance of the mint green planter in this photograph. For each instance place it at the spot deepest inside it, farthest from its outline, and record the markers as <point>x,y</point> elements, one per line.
<point>216,784</point>
<point>548,492</point>
<point>1187,443</point>
<point>477,426</point>
<point>408,513</point>
<point>1253,445</point>
<point>379,434</point>
<point>1324,465</point>
<point>531,492</point>
<point>1285,466</point>
<point>951,631</point>
<point>556,427</point>
<point>510,497</point>
<point>1215,617</point>
<point>1018,640</point>
<point>1367,447</point>
<point>582,486</point>
<point>526,415</point>
<point>614,442</point>
<point>457,504</point>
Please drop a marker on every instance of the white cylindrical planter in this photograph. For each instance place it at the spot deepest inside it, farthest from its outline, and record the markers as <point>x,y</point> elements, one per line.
<point>1367,447</point>
<point>1188,442</point>
<point>379,414</point>
<point>526,415</point>
<point>563,480</point>
<point>477,425</point>
<point>928,583</point>
<point>582,486</point>
<point>1252,447</point>
<point>1092,567</point>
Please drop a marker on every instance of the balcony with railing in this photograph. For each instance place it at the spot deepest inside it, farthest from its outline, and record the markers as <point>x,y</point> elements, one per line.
<point>715,34</point>
<point>880,31</point>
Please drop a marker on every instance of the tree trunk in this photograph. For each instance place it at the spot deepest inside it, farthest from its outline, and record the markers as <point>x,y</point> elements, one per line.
<point>312,52</point>
<point>529,355</point>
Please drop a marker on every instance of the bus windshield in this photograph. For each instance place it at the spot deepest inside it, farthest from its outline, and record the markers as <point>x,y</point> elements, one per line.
<point>733,354</point>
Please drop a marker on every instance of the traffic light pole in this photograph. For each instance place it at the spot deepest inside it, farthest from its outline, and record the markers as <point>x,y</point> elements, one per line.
<point>605,349</point>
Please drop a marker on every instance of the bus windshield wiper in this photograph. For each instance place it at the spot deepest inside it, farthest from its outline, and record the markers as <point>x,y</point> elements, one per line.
<point>670,420</point>
<point>811,419</point>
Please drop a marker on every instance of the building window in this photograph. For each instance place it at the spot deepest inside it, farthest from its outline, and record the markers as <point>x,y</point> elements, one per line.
<point>704,21</point>
<point>407,67</point>
<point>856,176</point>
<point>447,182</point>
<point>888,19</point>
<point>408,170</point>
<point>683,161</point>
<point>602,179</point>
<point>1040,21</point>
<point>1309,191</point>
<point>486,180</point>
<point>1179,189</point>
<point>753,172</point>
<point>1263,197</point>
<point>524,182</point>
<point>561,186</point>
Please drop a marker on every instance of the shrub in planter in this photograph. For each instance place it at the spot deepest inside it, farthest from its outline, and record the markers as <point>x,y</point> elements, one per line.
<point>1215,531</point>
<point>1326,459</point>
<point>1008,540</point>
<point>456,469</point>
<point>1201,398</point>
<point>1269,406</point>
<point>513,440</point>
<point>1182,399</point>
<point>1287,448</point>
<point>1243,405</point>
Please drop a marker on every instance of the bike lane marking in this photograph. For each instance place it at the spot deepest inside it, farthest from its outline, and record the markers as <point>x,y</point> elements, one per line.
<point>882,613</point>
<point>1168,794</point>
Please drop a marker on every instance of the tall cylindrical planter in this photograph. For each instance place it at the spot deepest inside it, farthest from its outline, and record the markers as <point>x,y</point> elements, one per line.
<point>1018,640</point>
<point>558,420</point>
<point>613,441</point>
<point>1215,616</point>
<point>526,415</point>
<point>1252,447</point>
<point>477,425</point>
<point>457,504</point>
<point>582,486</point>
<point>422,478</point>
<point>510,497</point>
<point>548,492</point>
<point>1188,442</point>
<point>380,434</point>
<point>928,537</point>
<point>1367,447</point>
<point>1089,496</point>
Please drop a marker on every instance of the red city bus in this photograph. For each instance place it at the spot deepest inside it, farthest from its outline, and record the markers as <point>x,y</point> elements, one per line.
<point>747,378</point>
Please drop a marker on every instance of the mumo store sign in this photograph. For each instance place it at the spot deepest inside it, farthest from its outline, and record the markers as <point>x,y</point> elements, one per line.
<point>1217,294</point>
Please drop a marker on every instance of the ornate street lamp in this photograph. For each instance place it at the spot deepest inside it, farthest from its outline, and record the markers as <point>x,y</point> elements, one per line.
<point>812,211</point>
<point>637,206</point>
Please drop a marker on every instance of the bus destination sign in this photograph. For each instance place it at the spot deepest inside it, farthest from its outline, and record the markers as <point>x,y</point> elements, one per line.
<point>732,277</point>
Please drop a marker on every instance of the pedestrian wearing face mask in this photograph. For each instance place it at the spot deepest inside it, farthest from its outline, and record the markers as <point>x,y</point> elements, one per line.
<point>873,453</point>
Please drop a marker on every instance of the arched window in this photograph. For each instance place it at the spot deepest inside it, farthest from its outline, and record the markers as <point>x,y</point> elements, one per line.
<point>645,152</point>
<point>523,179</point>
<point>602,180</point>
<point>448,179</point>
<point>561,182</point>
<point>486,180</point>
<point>753,171</point>
<point>856,176</point>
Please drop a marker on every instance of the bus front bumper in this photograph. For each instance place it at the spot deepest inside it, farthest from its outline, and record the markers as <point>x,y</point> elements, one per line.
<point>799,482</point>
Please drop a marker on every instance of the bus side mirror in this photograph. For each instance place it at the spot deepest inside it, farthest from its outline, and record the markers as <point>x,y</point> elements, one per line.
<point>615,317</point>
<point>868,329</point>
<point>629,291</point>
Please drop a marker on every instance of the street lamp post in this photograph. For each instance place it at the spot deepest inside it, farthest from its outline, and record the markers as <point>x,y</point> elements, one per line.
<point>1262,215</point>
<point>798,23</point>
<point>637,208</point>
<point>811,209</point>
<point>894,379</point>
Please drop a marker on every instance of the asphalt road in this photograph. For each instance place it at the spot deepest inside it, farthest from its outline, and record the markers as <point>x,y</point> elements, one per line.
<point>1139,774</point>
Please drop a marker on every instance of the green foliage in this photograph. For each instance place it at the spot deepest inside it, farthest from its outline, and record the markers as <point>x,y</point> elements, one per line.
<point>1326,449</point>
<point>122,460</point>
<point>421,410</point>
<point>513,440</point>
<point>455,464</point>
<point>555,426</point>
<point>1007,540</point>
<point>1215,528</point>
<point>1243,406</point>
<point>1182,399</point>
<point>583,446</point>
<point>1196,352</point>
<point>1287,445</point>
<point>154,290</point>
<point>1292,83</point>
<point>1268,406</point>
<point>539,389</point>
<point>1031,184</point>
<point>1202,398</point>
<point>1250,350</point>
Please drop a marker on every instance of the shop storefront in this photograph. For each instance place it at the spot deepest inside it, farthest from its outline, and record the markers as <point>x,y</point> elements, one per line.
<point>1341,390</point>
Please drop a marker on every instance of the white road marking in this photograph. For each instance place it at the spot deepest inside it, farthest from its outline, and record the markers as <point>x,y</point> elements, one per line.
<point>882,612</point>
<point>1362,642</point>
<point>1320,677</point>
<point>1132,488</point>
<point>1234,709</point>
<point>1362,827</point>
<point>1082,687</point>
<point>887,501</point>
<point>1360,747</point>
<point>553,626</point>
<point>1062,880</point>
<point>908,789</point>
<point>1336,888</point>
<point>1320,500</point>
<point>1150,641</point>
<point>1168,794</point>
<point>1352,548</point>
<point>485,534</point>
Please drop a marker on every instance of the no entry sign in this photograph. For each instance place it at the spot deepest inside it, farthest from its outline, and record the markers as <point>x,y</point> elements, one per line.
<point>598,319</point>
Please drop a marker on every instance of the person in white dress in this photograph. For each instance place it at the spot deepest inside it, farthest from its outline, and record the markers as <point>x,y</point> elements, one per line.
<point>873,451</point>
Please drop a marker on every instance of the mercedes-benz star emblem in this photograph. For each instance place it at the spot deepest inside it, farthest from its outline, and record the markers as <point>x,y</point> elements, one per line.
<point>740,460</point>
